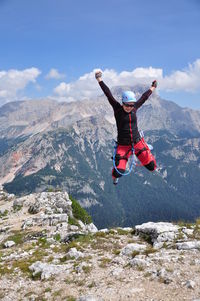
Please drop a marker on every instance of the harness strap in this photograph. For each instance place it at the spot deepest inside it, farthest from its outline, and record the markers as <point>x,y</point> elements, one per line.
<point>117,156</point>
<point>141,151</point>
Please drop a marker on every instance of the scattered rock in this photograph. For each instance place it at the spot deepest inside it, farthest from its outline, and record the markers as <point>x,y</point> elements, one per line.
<point>74,253</point>
<point>188,245</point>
<point>90,298</point>
<point>158,233</point>
<point>141,263</point>
<point>133,247</point>
<point>9,244</point>
<point>104,230</point>
<point>116,271</point>
<point>45,270</point>
<point>190,284</point>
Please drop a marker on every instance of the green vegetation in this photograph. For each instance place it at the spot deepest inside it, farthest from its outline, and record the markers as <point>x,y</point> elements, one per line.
<point>57,237</point>
<point>122,231</point>
<point>92,284</point>
<point>149,250</point>
<point>184,224</point>
<point>116,251</point>
<point>146,237</point>
<point>3,214</point>
<point>17,237</point>
<point>87,269</point>
<point>104,262</point>
<point>135,253</point>
<point>70,298</point>
<point>17,208</point>
<point>73,221</point>
<point>79,212</point>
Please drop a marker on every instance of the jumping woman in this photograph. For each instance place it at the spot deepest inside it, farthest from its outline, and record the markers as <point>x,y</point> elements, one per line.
<point>128,137</point>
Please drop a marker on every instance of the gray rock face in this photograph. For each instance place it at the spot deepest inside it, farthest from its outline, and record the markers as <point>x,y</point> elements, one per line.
<point>133,247</point>
<point>90,298</point>
<point>74,253</point>
<point>190,284</point>
<point>46,270</point>
<point>139,262</point>
<point>188,245</point>
<point>158,232</point>
<point>9,244</point>
<point>43,219</point>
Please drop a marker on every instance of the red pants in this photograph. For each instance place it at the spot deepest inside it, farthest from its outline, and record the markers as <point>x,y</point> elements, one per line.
<point>142,152</point>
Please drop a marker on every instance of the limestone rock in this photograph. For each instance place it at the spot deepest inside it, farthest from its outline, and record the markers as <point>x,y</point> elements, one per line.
<point>190,284</point>
<point>133,247</point>
<point>90,298</point>
<point>46,270</point>
<point>158,232</point>
<point>188,245</point>
<point>74,253</point>
<point>9,244</point>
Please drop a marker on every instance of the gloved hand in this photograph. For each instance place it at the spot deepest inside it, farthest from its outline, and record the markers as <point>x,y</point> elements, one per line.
<point>154,84</point>
<point>98,74</point>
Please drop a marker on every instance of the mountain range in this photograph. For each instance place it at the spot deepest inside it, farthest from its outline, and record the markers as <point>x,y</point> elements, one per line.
<point>45,144</point>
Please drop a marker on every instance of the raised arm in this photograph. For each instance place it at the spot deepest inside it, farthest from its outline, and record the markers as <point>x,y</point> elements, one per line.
<point>115,104</point>
<point>145,95</point>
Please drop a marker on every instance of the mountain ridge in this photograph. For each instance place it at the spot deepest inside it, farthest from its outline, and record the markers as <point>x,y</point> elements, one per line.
<point>73,151</point>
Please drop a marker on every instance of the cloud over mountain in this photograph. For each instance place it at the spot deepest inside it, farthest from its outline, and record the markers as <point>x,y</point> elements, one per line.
<point>186,80</point>
<point>13,81</point>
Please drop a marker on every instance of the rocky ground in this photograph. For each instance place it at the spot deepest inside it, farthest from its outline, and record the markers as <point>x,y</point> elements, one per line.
<point>50,250</point>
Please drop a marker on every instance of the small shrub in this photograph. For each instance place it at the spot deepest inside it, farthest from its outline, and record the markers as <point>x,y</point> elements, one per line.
<point>17,208</point>
<point>73,221</point>
<point>92,284</point>
<point>140,268</point>
<point>79,212</point>
<point>116,252</point>
<point>57,293</point>
<point>5,270</point>
<point>17,237</point>
<point>87,269</point>
<point>3,214</point>
<point>122,231</point>
<point>146,237</point>
<point>57,237</point>
<point>104,262</point>
<point>37,276</point>
<point>70,298</point>
<point>135,253</point>
<point>100,234</point>
<point>197,222</point>
<point>149,250</point>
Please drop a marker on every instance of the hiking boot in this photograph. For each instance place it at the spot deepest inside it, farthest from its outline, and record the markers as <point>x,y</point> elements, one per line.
<point>115,181</point>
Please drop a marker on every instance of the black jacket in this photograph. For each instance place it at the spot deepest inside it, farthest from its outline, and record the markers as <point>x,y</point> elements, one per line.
<point>126,122</point>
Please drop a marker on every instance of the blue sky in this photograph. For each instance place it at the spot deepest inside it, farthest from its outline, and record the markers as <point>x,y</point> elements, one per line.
<point>50,48</point>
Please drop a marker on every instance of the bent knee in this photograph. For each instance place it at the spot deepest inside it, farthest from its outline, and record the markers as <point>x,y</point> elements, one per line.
<point>151,166</point>
<point>117,174</point>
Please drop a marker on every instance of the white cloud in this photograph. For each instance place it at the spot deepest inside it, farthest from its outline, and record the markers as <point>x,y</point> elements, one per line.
<point>86,86</point>
<point>54,74</point>
<point>187,80</point>
<point>14,81</point>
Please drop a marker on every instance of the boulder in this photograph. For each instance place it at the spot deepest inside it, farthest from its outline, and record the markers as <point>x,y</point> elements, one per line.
<point>133,247</point>
<point>141,263</point>
<point>9,244</point>
<point>190,284</point>
<point>74,253</point>
<point>46,270</point>
<point>158,233</point>
<point>90,298</point>
<point>188,245</point>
